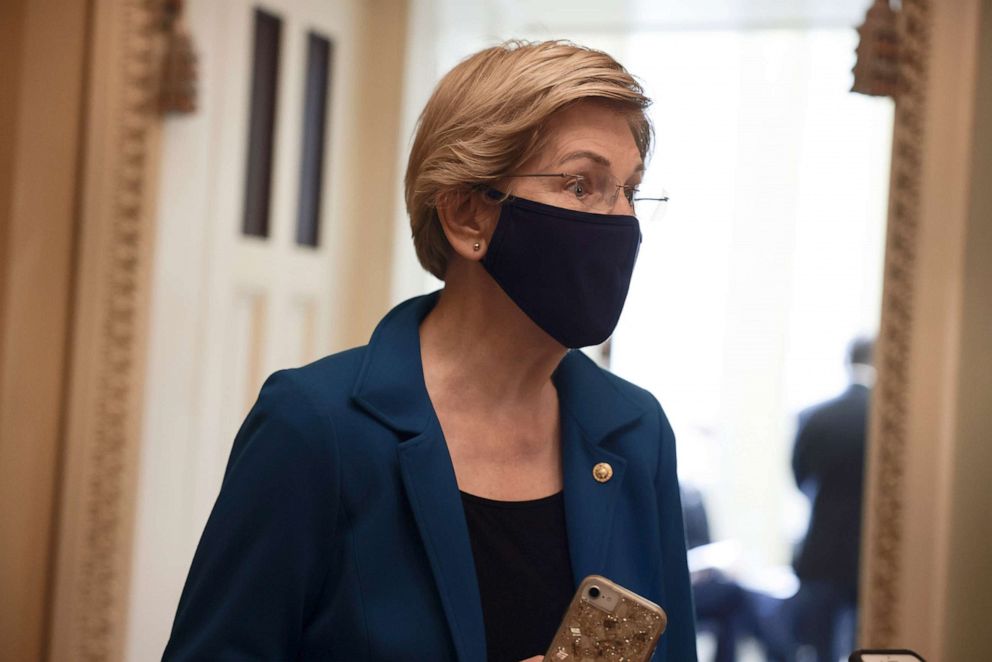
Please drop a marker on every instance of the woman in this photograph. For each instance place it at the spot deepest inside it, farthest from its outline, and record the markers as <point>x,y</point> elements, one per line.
<point>439,493</point>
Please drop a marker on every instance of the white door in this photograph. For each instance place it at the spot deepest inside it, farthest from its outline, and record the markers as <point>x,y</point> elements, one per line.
<point>238,289</point>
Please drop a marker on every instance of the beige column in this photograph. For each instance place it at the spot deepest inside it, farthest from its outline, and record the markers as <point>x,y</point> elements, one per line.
<point>968,602</point>
<point>42,66</point>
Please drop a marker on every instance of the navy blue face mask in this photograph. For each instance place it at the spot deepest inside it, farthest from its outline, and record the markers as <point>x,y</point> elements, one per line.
<point>569,271</point>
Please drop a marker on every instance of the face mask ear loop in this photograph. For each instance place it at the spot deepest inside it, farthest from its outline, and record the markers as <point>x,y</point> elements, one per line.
<point>494,194</point>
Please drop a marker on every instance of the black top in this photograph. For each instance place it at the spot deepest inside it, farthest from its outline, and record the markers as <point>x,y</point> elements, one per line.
<point>524,571</point>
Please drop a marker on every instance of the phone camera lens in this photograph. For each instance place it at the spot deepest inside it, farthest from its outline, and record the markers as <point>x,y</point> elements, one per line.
<point>593,592</point>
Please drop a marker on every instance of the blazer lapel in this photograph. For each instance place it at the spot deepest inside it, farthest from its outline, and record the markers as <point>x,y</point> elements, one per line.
<point>591,410</point>
<point>589,504</point>
<point>391,388</point>
<point>432,490</point>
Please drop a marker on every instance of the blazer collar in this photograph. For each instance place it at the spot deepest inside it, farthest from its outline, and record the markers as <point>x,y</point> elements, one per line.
<point>586,392</point>
<point>390,384</point>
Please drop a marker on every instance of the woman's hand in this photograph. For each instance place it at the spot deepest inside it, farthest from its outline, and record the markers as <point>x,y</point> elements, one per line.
<point>536,658</point>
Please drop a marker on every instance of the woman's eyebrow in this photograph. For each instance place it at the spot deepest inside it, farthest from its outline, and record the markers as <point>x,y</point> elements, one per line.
<point>586,154</point>
<point>595,158</point>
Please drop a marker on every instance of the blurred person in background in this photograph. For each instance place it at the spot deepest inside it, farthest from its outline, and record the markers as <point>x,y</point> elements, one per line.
<point>828,464</point>
<point>439,493</point>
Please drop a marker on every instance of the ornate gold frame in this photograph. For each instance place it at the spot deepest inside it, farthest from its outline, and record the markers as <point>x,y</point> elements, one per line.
<point>118,177</point>
<point>882,546</point>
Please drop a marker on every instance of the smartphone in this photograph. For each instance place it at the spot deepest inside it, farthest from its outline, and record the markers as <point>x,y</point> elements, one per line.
<point>886,655</point>
<point>607,622</point>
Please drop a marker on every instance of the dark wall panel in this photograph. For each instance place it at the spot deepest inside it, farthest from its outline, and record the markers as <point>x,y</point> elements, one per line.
<point>319,53</point>
<point>261,124</point>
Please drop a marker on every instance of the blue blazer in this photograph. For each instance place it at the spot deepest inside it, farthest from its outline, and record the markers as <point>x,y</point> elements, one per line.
<point>339,533</point>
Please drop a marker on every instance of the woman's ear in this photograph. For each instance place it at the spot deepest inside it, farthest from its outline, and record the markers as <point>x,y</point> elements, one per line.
<point>468,219</point>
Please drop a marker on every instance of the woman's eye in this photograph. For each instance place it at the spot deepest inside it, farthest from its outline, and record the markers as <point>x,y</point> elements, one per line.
<point>630,193</point>
<point>578,188</point>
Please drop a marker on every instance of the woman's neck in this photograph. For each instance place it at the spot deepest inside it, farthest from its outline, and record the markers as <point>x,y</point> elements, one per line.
<point>479,349</point>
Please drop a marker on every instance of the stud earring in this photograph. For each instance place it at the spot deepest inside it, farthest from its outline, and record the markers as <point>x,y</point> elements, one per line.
<point>476,247</point>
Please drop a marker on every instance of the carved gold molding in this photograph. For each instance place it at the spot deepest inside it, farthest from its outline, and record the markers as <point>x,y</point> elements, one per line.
<point>118,176</point>
<point>887,460</point>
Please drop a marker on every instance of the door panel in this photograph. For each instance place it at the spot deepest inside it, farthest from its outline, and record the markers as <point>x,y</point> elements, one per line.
<point>229,308</point>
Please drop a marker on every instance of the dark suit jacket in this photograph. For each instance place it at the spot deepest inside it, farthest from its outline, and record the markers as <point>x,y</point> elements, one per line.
<point>339,533</point>
<point>828,463</point>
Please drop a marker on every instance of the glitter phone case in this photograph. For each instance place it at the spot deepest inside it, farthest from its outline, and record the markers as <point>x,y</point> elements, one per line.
<point>607,623</point>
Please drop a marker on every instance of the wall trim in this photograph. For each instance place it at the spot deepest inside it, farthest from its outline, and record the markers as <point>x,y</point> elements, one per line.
<point>882,568</point>
<point>107,366</point>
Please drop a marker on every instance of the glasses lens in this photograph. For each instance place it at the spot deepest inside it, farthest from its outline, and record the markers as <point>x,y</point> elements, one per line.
<point>602,192</point>
<point>652,207</point>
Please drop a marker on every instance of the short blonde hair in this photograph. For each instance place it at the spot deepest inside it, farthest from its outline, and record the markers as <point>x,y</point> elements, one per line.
<point>485,119</point>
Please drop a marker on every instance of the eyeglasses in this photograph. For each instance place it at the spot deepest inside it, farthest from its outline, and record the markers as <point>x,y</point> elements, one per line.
<point>596,191</point>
